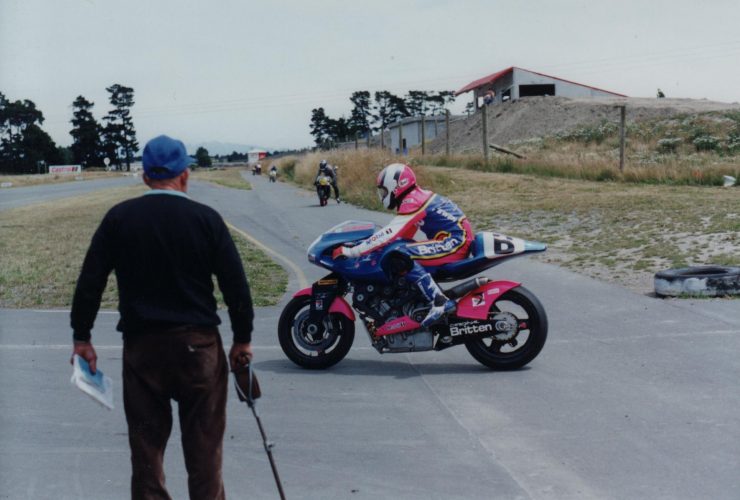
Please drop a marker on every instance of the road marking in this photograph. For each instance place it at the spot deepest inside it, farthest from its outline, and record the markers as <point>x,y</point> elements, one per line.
<point>302,281</point>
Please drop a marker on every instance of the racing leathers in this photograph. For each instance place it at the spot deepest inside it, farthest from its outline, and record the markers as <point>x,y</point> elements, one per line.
<point>448,237</point>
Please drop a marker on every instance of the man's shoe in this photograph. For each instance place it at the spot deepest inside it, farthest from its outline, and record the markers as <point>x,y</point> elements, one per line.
<point>438,311</point>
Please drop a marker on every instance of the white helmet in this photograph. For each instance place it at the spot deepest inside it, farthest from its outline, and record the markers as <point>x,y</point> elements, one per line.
<point>393,182</point>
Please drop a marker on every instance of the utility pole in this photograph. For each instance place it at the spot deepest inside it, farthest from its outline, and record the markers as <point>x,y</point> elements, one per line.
<point>447,132</point>
<point>423,136</point>
<point>484,131</point>
<point>622,135</point>
<point>400,137</point>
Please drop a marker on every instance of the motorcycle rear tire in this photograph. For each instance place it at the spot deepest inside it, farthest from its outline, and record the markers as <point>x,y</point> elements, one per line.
<point>491,356</point>
<point>318,360</point>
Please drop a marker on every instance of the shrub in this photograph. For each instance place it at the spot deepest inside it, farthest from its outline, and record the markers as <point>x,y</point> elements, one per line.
<point>706,143</point>
<point>668,144</point>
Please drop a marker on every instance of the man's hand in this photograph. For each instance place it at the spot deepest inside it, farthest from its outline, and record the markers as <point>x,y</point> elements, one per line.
<point>86,351</point>
<point>239,350</point>
<point>340,252</point>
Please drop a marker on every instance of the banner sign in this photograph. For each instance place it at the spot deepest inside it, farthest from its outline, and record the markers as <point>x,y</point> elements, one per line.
<point>65,169</point>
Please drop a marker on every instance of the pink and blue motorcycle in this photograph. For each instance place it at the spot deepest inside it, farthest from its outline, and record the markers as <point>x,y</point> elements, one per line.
<point>501,323</point>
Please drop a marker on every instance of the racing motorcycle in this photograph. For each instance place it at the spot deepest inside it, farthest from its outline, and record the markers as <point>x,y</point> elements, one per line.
<point>501,323</point>
<point>323,188</point>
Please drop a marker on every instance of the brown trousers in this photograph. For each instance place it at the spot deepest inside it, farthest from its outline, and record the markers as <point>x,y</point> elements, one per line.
<point>189,366</point>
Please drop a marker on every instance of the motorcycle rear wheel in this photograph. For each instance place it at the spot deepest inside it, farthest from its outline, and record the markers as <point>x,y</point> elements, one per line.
<point>313,351</point>
<point>510,354</point>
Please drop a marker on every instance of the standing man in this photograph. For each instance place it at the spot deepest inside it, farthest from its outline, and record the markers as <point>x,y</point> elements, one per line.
<point>165,249</point>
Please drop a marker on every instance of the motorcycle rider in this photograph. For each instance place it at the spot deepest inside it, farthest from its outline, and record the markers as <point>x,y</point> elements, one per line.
<point>273,173</point>
<point>326,170</point>
<point>447,229</point>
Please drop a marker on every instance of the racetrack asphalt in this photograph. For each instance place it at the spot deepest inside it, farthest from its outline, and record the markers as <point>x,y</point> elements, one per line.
<point>632,396</point>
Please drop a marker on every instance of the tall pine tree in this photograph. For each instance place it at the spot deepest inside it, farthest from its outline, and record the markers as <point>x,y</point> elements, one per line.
<point>86,144</point>
<point>119,133</point>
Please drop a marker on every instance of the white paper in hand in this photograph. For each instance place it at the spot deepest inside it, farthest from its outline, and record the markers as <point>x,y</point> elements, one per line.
<point>97,386</point>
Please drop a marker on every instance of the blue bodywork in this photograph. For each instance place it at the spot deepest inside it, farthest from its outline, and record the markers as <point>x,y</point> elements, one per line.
<point>369,267</point>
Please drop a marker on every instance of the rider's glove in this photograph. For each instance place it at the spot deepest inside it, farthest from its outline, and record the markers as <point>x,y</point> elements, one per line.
<point>340,252</point>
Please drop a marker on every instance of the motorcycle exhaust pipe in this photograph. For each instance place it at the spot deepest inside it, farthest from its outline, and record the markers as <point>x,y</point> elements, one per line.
<point>468,286</point>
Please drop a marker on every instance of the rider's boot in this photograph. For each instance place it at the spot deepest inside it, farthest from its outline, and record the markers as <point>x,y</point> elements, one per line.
<point>438,301</point>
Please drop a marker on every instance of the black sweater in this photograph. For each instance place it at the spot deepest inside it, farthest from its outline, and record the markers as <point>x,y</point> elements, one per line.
<point>164,249</point>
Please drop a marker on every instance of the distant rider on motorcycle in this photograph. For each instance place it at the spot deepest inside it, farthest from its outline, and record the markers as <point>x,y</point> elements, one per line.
<point>447,229</point>
<point>326,170</point>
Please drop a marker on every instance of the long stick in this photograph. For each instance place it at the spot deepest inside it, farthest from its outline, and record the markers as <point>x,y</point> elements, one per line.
<point>268,446</point>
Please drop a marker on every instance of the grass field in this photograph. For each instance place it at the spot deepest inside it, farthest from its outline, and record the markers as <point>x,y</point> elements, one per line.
<point>35,180</point>
<point>621,232</point>
<point>42,248</point>
<point>228,177</point>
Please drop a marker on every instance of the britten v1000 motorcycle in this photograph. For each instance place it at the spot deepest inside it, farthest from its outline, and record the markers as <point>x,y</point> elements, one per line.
<point>501,323</point>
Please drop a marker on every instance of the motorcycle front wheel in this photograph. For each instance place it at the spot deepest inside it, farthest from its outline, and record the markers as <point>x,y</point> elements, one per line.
<point>312,346</point>
<point>518,343</point>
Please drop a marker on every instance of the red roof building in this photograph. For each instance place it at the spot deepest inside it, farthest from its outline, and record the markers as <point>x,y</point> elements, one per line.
<point>514,83</point>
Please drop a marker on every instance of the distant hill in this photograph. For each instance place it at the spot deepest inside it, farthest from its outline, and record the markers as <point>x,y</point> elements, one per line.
<point>221,148</point>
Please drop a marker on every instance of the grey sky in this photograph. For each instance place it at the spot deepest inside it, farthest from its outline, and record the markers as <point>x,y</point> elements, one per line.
<point>251,71</point>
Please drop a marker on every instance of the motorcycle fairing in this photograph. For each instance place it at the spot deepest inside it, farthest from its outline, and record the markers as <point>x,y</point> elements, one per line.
<point>398,325</point>
<point>475,305</point>
<point>338,305</point>
<point>487,250</point>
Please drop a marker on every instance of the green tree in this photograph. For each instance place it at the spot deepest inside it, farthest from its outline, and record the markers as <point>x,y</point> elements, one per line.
<point>86,142</point>
<point>338,130</point>
<point>202,157</point>
<point>320,127</point>
<point>436,103</point>
<point>24,146</point>
<point>388,109</point>
<point>359,120</point>
<point>416,102</point>
<point>119,133</point>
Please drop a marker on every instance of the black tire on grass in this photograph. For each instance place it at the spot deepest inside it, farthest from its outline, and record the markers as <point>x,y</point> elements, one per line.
<point>703,281</point>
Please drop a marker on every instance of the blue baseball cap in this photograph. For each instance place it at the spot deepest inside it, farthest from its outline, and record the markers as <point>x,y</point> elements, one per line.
<point>165,158</point>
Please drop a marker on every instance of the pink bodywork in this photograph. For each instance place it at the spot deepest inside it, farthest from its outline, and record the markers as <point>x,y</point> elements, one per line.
<point>339,305</point>
<point>475,304</point>
<point>398,325</point>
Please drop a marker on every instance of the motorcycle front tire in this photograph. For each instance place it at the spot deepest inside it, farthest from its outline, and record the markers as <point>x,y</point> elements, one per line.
<point>291,331</point>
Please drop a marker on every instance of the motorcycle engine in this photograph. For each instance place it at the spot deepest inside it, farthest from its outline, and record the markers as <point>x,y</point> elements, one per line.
<point>381,303</point>
<point>378,304</point>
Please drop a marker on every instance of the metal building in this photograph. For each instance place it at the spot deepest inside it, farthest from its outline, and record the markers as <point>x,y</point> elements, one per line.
<point>411,131</point>
<point>514,83</point>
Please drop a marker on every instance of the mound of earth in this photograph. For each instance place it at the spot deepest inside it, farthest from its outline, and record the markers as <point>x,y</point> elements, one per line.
<point>533,117</point>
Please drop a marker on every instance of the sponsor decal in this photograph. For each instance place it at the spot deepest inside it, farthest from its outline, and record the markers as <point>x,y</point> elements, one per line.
<point>437,247</point>
<point>395,326</point>
<point>328,282</point>
<point>65,169</point>
<point>447,215</point>
<point>469,327</point>
<point>479,300</point>
<point>319,305</point>
<point>403,182</point>
<point>493,291</point>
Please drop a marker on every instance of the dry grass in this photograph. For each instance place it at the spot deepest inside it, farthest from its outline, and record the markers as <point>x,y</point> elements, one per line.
<point>230,177</point>
<point>615,231</point>
<point>42,248</point>
<point>34,180</point>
